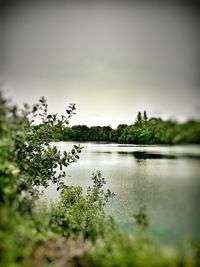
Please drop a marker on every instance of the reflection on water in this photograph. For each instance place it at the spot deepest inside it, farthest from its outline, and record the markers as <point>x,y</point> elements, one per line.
<point>141,155</point>
<point>163,178</point>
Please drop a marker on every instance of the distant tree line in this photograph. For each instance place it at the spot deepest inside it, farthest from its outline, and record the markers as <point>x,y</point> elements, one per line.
<point>143,131</point>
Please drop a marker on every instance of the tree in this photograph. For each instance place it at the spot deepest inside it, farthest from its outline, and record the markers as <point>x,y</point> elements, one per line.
<point>139,117</point>
<point>145,116</point>
<point>29,148</point>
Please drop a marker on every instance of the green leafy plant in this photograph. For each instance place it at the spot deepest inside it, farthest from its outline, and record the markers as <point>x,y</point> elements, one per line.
<point>141,218</point>
<point>82,215</point>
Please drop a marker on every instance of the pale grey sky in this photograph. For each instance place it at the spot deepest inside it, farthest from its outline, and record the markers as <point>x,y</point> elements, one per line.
<point>110,58</point>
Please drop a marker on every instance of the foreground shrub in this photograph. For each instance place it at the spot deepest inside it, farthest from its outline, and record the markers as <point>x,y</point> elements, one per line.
<point>82,215</point>
<point>122,250</point>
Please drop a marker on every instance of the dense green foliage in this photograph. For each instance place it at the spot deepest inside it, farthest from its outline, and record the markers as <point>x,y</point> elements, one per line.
<point>143,131</point>
<point>28,162</point>
<point>123,250</point>
<point>82,215</point>
<point>74,231</point>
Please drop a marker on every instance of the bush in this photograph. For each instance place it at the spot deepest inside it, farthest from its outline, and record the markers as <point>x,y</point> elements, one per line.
<point>81,215</point>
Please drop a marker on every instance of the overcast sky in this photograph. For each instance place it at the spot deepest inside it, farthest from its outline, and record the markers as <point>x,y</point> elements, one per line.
<point>110,58</point>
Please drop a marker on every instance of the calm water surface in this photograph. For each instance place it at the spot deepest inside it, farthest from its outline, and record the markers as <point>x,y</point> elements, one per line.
<point>166,179</point>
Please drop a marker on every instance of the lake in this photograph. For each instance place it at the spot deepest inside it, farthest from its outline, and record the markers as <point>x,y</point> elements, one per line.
<point>165,179</point>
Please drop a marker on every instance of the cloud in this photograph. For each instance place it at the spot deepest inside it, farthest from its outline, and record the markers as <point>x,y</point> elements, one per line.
<point>124,57</point>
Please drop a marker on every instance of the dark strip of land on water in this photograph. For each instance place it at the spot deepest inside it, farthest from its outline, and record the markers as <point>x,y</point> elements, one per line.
<point>143,131</point>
